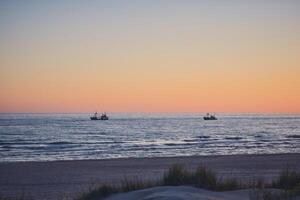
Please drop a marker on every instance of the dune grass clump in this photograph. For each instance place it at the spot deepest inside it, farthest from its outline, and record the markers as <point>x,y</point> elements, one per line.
<point>228,184</point>
<point>177,175</point>
<point>202,177</point>
<point>4,198</point>
<point>21,196</point>
<point>288,180</point>
<point>128,185</point>
<point>99,193</point>
<point>295,191</point>
<point>205,178</point>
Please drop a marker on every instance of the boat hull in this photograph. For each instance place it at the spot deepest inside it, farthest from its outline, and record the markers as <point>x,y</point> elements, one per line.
<point>99,118</point>
<point>209,118</point>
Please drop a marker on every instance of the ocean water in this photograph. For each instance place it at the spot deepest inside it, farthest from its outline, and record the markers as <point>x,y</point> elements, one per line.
<point>43,137</point>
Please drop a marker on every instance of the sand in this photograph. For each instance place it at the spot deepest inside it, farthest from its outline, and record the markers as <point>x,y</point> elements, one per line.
<point>187,193</point>
<point>58,179</point>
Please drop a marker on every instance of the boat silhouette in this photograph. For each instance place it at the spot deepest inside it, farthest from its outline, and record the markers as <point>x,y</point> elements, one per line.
<point>102,117</point>
<point>209,117</point>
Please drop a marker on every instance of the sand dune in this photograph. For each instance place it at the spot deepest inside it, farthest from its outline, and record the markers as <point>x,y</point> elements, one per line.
<point>182,193</point>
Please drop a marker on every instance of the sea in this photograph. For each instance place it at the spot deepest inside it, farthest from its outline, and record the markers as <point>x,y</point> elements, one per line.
<point>50,137</point>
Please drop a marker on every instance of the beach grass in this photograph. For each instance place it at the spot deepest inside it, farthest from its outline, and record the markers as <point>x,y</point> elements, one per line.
<point>126,185</point>
<point>20,197</point>
<point>202,177</point>
<point>100,192</point>
<point>176,175</point>
<point>288,182</point>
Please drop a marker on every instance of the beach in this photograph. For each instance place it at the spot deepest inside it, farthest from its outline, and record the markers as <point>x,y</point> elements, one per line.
<point>149,100</point>
<point>67,179</point>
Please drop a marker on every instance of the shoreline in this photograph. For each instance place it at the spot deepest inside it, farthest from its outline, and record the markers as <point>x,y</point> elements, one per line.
<point>57,179</point>
<point>137,158</point>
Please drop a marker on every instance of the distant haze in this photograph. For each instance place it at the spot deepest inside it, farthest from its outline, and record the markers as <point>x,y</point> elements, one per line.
<point>144,56</point>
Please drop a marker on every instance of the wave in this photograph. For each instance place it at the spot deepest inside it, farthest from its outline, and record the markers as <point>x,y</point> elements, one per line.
<point>60,143</point>
<point>18,143</point>
<point>179,144</point>
<point>233,138</point>
<point>87,143</point>
<point>204,136</point>
<point>51,147</point>
<point>258,136</point>
<point>293,136</point>
<point>191,140</point>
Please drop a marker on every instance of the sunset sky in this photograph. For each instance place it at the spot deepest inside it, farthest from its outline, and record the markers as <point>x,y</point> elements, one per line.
<point>150,56</point>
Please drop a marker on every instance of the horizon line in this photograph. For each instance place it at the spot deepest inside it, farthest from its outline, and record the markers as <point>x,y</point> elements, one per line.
<point>157,112</point>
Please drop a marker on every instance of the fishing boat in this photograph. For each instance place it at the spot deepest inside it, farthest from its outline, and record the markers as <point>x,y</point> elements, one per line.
<point>102,117</point>
<point>209,117</point>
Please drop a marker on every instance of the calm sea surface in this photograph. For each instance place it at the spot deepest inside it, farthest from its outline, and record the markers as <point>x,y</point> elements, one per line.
<point>35,137</point>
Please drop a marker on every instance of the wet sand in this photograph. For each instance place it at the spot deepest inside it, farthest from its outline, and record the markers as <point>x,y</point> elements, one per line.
<point>59,179</point>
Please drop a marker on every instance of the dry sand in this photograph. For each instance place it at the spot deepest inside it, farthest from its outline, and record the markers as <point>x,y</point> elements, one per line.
<point>54,180</point>
<point>186,193</point>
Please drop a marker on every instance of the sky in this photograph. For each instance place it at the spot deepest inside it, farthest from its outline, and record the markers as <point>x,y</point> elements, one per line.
<point>150,56</point>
